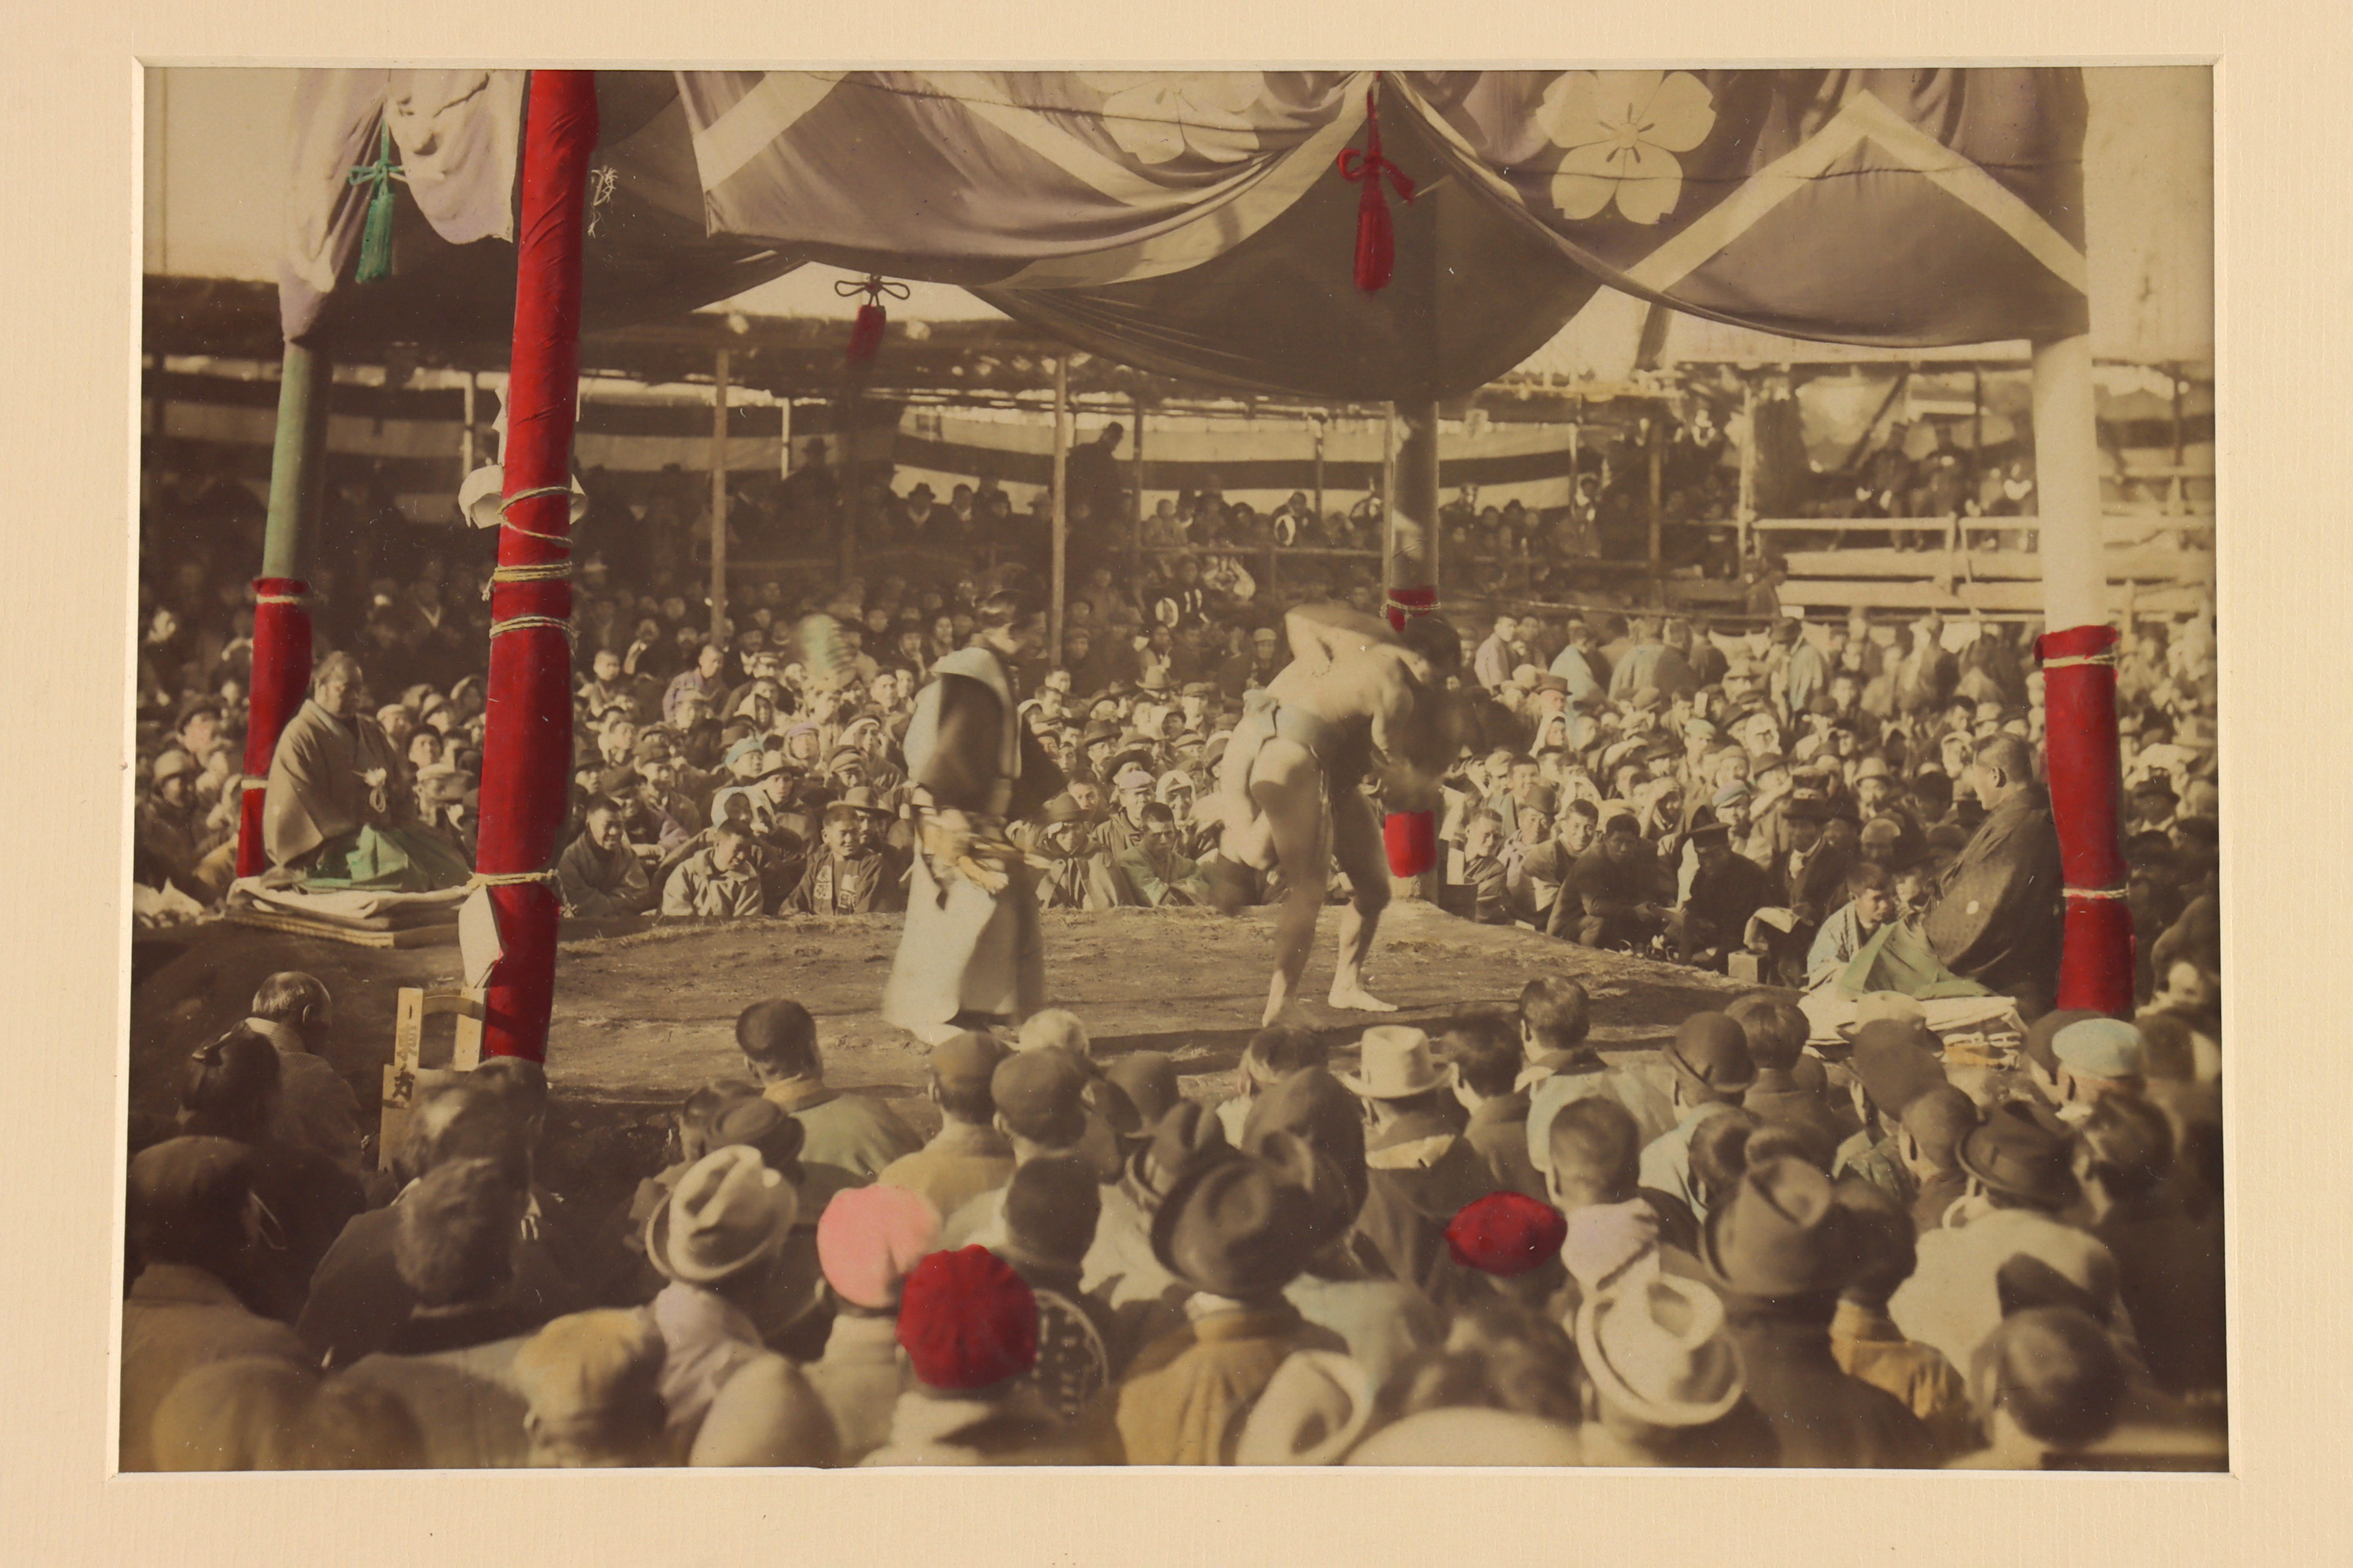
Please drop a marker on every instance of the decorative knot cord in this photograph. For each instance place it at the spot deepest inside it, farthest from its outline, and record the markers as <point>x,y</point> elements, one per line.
<point>2097,892</point>
<point>1375,235</point>
<point>375,235</point>
<point>866,333</point>
<point>2072,661</point>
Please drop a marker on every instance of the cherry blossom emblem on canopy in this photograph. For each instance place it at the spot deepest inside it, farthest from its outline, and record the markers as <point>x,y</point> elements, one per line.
<point>1621,130</point>
<point>1159,117</point>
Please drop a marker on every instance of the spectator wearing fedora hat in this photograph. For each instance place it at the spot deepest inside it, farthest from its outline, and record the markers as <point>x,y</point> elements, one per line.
<point>969,1326</point>
<point>2019,1175</point>
<point>1779,1253</point>
<point>1121,1268</point>
<point>190,1199</point>
<point>1235,1230</point>
<point>790,1307</point>
<point>868,1240</point>
<point>1712,1072</point>
<point>1342,1288</point>
<point>968,1156</point>
<point>716,1241</point>
<point>1420,1170</point>
<point>1663,1382</point>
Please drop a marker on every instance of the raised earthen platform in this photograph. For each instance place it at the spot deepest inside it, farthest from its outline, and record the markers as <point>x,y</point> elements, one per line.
<point>640,1020</point>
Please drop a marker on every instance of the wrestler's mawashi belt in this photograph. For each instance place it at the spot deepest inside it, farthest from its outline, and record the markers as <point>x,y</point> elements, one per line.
<point>1321,738</point>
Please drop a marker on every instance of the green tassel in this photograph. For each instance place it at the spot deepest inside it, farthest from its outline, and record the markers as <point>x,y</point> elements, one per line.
<point>375,238</point>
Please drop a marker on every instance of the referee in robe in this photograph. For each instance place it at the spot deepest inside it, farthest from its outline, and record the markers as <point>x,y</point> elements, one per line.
<point>973,950</point>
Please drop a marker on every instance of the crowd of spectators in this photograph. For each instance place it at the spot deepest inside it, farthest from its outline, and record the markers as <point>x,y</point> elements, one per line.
<point>1492,1248</point>
<point>1493,1245</point>
<point>1637,779</point>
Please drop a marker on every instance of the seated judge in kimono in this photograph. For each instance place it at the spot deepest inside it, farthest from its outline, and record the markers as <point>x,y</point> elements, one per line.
<point>341,807</point>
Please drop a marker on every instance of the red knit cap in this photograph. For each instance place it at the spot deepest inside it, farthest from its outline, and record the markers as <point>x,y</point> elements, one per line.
<point>1505,1233</point>
<point>967,1321</point>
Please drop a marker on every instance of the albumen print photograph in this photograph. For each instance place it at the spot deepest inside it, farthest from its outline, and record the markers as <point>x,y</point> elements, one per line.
<point>900,767</point>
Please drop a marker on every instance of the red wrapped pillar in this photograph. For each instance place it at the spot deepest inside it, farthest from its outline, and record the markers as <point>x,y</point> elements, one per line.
<point>527,744</point>
<point>281,676</point>
<point>2079,690</point>
<point>281,626</point>
<point>2079,697</point>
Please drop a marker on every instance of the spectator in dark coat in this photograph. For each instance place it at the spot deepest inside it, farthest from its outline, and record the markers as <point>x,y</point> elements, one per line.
<point>1780,1252</point>
<point>1997,911</point>
<point>2168,1265</point>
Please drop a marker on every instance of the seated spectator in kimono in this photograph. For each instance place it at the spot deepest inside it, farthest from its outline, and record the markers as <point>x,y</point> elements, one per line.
<point>340,810</point>
<point>599,873</point>
<point>1871,903</point>
<point>718,882</point>
<point>853,872</point>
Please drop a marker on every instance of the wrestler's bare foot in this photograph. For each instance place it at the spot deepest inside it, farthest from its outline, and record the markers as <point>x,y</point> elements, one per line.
<point>1356,999</point>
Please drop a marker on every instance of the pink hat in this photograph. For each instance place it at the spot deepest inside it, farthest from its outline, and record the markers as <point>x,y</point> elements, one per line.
<point>869,1239</point>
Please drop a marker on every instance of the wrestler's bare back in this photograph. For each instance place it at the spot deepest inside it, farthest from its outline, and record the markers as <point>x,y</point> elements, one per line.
<point>1348,670</point>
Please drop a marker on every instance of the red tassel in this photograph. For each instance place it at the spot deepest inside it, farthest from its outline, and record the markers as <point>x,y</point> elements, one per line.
<point>1411,837</point>
<point>2079,695</point>
<point>1375,236</point>
<point>866,334</point>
